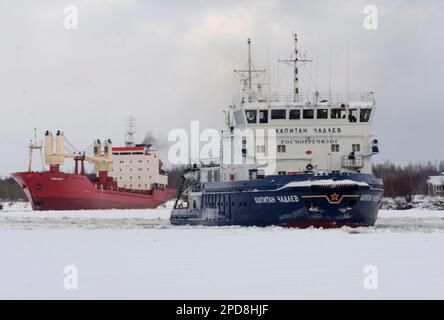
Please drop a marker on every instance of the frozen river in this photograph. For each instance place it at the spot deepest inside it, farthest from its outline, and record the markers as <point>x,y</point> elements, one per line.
<point>138,254</point>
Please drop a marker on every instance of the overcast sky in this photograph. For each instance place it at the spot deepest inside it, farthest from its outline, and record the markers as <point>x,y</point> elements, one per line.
<point>170,62</point>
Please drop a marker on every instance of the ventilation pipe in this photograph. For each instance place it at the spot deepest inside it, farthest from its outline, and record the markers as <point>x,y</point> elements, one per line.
<point>97,148</point>
<point>60,148</point>
<point>48,146</point>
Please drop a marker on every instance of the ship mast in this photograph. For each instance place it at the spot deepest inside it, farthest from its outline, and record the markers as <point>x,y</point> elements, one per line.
<point>249,64</point>
<point>295,61</point>
<point>248,80</point>
<point>129,137</point>
<point>32,147</point>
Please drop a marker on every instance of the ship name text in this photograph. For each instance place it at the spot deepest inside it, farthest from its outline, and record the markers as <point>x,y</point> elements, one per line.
<point>277,199</point>
<point>326,130</point>
<point>308,141</point>
<point>370,197</point>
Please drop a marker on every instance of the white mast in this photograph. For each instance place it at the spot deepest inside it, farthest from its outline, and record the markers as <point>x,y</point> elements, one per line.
<point>249,64</point>
<point>249,71</point>
<point>295,61</point>
<point>129,137</point>
<point>32,147</point>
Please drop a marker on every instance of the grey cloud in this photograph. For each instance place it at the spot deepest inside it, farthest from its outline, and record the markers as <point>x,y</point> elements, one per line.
<point>170,63</point>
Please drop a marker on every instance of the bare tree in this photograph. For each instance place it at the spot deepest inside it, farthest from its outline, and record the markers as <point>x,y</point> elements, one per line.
<point>10,190</point>
<point>404,181</point>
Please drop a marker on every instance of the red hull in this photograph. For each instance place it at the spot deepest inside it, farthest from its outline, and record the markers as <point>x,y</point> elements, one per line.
<point>62,191</point>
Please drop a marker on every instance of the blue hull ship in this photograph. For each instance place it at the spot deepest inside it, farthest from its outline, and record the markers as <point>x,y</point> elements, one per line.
<point>303,200</point>
<point>305,160</point>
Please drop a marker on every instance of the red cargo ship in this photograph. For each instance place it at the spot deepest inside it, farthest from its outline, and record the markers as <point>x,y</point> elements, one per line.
<point>127,177</point>
<point>62,191</point>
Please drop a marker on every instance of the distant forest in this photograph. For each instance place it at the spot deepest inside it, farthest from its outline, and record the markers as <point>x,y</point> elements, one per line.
<point>406,181</point>
<point>399,181</point>
<point>10,190</point>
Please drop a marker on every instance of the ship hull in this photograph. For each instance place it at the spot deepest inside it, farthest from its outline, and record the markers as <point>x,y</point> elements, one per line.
<point>61,191</point>
<point>287,201</point>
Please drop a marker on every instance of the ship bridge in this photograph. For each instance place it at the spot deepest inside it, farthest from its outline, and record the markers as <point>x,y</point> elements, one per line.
<point>263,109</point>
<point>321,132</point>
<point>310,98</point>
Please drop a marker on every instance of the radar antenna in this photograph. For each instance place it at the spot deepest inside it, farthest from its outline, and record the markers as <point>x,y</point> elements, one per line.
<point>295,60</point>
<point>247,74</point>
<point>129,137</point>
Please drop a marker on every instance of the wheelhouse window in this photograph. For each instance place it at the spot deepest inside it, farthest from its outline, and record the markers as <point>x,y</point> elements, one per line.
<point>308,114</point>
<point>263,116</point>
<point>356,147</point>
<point>353,115</point>
<point>295,114</point>
<point>278,114</point>
<point>322,114</point>
<point>335,148</point>
<point>364,116</point>
<point>337,113</point>
<point>251,116</point>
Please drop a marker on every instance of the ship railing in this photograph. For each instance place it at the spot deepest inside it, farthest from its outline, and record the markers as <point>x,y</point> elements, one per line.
<point>352,161</point>
<point>210,162</point>
<point>313,98</point>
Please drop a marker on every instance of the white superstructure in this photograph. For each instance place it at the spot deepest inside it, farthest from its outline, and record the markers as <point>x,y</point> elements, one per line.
<point>137,166</point>
<point>315,132</point>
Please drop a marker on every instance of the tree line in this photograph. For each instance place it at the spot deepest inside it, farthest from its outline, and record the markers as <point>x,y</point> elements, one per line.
<point>10,190</point>
<point>406,181</point>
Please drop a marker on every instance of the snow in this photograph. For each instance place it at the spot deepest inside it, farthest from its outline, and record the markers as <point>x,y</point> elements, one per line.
<point>16,206</point>
<point>436,180</point>
<point>138,254</point>
<point>418,201</point>
<point>325,182</point>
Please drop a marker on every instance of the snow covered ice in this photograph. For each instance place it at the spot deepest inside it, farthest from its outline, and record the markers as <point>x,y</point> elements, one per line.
<point>138,254</point>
